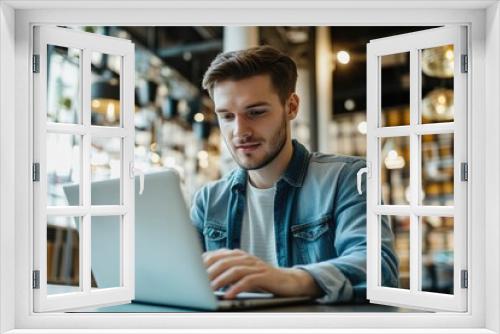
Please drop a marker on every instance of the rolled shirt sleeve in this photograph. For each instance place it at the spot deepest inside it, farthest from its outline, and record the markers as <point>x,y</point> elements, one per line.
<point>344,277</point>
<point>336,287</point>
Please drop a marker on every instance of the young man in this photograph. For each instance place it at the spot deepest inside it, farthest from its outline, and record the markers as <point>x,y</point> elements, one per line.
<point>286,221</point>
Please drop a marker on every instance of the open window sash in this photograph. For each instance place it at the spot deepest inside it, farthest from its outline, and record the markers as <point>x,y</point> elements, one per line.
<point>415,206</point>
<point>69,53</point>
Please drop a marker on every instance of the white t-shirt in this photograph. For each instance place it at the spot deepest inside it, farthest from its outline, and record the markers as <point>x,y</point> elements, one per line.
<point>257,229</point>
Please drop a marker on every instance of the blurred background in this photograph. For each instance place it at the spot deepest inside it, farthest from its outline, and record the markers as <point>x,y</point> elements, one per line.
<point>176,126</point>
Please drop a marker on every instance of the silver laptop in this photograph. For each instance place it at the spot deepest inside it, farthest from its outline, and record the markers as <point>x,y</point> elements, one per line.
<point>169,268</point>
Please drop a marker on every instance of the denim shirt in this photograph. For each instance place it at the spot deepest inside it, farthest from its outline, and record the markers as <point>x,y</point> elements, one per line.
<point>319,222</point>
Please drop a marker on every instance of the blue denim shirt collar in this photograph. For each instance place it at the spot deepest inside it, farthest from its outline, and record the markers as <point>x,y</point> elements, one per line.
<point>294,174</point>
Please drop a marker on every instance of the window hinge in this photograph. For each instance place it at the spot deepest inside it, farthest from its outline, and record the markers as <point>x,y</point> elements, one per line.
<point>36,279</point>
<point>465,279</point>
<point>36,172</point>
<point>464,61</point>
<point>36,63</point>
<point>464,171</point>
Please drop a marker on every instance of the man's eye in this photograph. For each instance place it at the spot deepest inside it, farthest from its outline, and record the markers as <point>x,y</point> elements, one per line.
<point>256,112</point>
<point>226,117</point>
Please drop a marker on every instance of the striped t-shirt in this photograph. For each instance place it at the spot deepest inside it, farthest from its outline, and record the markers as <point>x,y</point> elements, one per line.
<point>257,229</point>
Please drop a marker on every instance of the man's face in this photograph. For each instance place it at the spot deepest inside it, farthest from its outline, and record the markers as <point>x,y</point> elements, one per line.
<point>252,119</point>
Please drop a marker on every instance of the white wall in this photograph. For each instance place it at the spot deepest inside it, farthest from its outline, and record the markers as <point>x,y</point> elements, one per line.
<point>7,174</point>
<point>492,134</point>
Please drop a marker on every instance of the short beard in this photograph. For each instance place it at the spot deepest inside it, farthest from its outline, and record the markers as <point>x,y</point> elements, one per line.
<point>280,138</point>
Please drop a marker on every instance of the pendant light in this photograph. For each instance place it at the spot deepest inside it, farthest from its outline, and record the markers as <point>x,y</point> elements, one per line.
<point>438,62</point>
<point>106,99</point>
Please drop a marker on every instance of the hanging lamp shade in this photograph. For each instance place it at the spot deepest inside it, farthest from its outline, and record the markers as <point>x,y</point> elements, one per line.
<point>106,90</point>
<point>106,99</point>
<point>438,62</point>
<point>437,105</point>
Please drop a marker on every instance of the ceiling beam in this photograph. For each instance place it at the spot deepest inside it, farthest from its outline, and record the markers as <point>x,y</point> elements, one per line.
<point>179,50</point>
<point>205,32</point>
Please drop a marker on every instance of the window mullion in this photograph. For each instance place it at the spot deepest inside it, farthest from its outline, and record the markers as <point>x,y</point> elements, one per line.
<point>415,236</point>
<point>393,131</point>
<point>107,131</point>
<point>85,264</point>
<point>460,155</point>
<point>424,129</point>
<point>64,128</point>
<point>402,210</point>
<point>127,192</point>
<point>40,155</point>
<point>427,210</point>
<point>85,246</point>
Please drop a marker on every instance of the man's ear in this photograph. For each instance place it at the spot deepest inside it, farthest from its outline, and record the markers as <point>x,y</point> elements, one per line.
<point>292,106</point>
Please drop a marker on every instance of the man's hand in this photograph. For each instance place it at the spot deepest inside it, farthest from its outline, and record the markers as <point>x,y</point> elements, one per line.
<point>244,272</point>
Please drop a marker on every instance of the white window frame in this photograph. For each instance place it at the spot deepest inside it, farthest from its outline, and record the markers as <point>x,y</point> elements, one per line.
<point>87,43</point>
<point>413,43</point>
<point>16,19</point>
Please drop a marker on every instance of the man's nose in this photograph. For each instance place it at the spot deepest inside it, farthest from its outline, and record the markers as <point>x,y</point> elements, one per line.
<point>241,128</point>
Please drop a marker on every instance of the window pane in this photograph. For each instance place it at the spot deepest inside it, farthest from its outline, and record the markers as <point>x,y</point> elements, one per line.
<point>395,77</point>
<point>106,159</point>
<point>437,169</point>
<point>63,84</point>
<point>105,105</point>
<point>63,254</point>
<point>63,169</point>
<point>400,234</point>
<point>437,84</point>
<point>437,254</point>
<point>395,170</point>
<point>106,251</point>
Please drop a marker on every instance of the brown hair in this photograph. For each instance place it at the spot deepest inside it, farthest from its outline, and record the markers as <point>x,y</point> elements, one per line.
<point>242,64</point>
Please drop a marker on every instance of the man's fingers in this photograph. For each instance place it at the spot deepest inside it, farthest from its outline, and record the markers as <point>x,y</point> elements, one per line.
<point>211,257</point>
<point>209,254</point>
<point>233,275</point>
<point>225,263</point>
<point>247,283</point>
